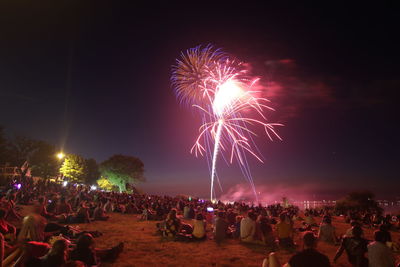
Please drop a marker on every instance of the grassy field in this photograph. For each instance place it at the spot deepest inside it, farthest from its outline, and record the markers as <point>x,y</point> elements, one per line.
<point>144,248</point>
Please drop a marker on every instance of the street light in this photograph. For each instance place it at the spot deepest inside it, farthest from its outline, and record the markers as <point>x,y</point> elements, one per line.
<point>60,155</point>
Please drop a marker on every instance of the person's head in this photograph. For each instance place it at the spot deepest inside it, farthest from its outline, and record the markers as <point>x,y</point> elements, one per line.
<point>309,240</point>
<point>32,228</point>
<point>327,220</point>
<point>199,217</point>
<point>239,218</point>
<point>380,236</point>
<point>251,215</point>
<point>282,217</point>
<point>357,231</point>
<point>85,242</point>
<point>59,248</point>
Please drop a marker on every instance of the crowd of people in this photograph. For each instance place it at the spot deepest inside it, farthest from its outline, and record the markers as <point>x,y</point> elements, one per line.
<point>47,237</point>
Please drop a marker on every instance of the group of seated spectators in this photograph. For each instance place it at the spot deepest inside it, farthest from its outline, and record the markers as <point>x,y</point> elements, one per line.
<point>48,238</point>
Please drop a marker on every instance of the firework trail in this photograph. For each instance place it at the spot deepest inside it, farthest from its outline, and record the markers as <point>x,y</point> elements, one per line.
<point>219,87</point>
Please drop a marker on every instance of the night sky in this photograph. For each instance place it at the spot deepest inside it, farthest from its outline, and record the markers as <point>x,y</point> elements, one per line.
<point>94,78</point>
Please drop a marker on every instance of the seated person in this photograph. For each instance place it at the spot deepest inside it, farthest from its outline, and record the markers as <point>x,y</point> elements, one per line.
<point>267,236</point>
<point>326,231</point>
<point>63,207</point>
<point>309,219</point>
<point>172,224</point>
<point>88,254</point>
<point>199,228</point>
<point>380,255</point>
<point>57,255</point>
<point>309,257</point>
<point>285,232</point>
<point>248,228</point>
<point>99,214</point>
<point>355,247</point>
<point>221,227</point>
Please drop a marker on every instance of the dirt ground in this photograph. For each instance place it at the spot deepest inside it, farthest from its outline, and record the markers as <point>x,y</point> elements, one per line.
<point>144,248</point>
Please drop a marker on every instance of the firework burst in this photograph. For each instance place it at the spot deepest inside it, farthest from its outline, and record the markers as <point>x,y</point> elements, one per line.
<point>221,90</point>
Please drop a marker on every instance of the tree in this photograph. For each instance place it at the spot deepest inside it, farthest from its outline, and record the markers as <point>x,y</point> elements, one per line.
<point>74,168</point>
<point>358,201</point>
<point>92,172</point>
<point>43,161</point>
<point>20,149</point>
<point>3,147</point>
<point>121,170</point>
<point>105,184</point>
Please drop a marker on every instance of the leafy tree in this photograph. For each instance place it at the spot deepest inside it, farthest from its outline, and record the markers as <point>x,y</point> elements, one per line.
<point>105,184</point>
<point>121,170</point>
<point>92,172</point>
<point>358,201</point>
<point>3,147</point>
<point>43,161</point>
<point>74,168</point>
<point>20,149</point>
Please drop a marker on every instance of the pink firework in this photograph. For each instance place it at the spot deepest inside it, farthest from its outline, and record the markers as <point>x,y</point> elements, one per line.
<point>227,99</point>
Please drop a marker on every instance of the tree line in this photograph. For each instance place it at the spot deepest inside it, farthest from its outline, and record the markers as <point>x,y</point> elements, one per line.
<point>119,172</point>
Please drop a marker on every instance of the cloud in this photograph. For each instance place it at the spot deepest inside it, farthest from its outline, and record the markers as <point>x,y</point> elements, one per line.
<point>292,90</point>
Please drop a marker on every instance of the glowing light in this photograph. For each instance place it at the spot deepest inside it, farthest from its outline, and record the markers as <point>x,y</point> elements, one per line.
<point>228,93</point>
<point>65,183</point>
<point>60,155</point>
<point>18,186</point>
<point>93,187</point>
<point>224,94</point>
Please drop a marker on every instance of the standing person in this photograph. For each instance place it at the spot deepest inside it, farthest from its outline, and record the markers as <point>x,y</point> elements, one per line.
<point>380,255</point>
<point>309,257</point>
<point>355,247</point>
<point>221,227</point>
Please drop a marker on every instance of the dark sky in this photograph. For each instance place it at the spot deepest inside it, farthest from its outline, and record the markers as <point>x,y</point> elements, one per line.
<point>94,78</point>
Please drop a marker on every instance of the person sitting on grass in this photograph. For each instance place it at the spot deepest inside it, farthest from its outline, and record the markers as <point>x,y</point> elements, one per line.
<point>88,254</point>
<point>172,224</point>
<point>267,236</point>
<point>248,228</point>
<point>309,220</point>
<point>326,231</point>
<point>285,232</point>
<point>63,207</point>
<point>57,255</point>
<point>355,247</point>
<point>309,256</point>
<point>99,214</point>
<point>380,255</point>
<point>220,228</point>
<point>199,228</point>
